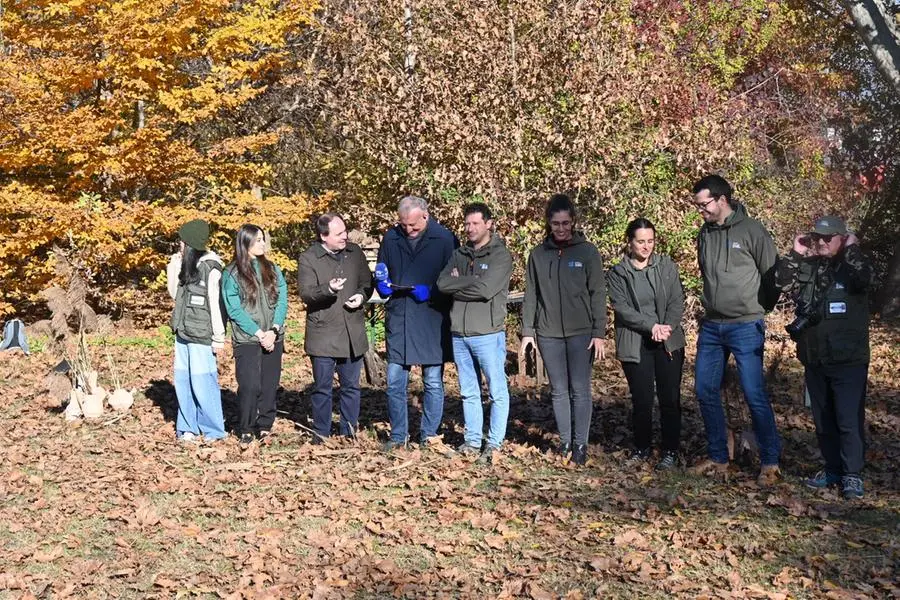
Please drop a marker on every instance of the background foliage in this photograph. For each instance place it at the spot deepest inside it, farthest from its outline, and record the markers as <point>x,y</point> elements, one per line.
<point>119,120</point>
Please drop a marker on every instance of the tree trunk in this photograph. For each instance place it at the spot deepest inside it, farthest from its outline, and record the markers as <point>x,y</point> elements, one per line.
<point>889,302</point>
<point>879,32</point>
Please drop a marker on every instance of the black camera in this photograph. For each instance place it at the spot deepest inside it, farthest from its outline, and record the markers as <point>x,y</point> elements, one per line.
<point>807,315</point>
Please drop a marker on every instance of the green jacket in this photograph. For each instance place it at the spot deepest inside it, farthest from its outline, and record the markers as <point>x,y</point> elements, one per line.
<point>565,290</point>
<point>631,324</point>
<point>837,290</point>
<point>199,316</point>
<point>737,261</point>
<point>479,291</point>
<point>262,315</point>
<point>332,329</point>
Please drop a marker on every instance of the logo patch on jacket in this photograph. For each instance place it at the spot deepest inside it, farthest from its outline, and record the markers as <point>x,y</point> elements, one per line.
<point>483,266</point>
<point>198,300</point>
<point>736,245</point>
<point>575,264</point>
<point>838,285</point>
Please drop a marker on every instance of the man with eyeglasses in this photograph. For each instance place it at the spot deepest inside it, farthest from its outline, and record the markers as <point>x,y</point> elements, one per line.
<point>737,258</point>
<point>829,278</point>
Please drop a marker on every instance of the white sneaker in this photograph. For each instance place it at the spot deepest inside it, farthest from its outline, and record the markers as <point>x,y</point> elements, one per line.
<point>189,438</point>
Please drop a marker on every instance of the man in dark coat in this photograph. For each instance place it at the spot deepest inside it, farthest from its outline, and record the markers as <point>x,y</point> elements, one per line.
<point>411,257</point>
<point>335,281</point>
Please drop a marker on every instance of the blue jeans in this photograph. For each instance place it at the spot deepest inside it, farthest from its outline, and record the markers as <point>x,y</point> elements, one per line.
<point>348,370</point>
<point>197,389</point>
<point>432,403</point>
<point>746,342</point>
<point>488,352</point>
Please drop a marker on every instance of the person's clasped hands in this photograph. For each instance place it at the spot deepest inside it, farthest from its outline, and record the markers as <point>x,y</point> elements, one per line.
<point>660,332</point>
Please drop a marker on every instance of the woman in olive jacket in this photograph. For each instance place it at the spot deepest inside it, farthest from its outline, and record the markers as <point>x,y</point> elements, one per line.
<point>564,312</point>
<point>648,301</point>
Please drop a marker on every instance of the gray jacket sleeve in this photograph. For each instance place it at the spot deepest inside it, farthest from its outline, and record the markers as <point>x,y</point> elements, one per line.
<point>674,296</point>
<point>597,291</point>
<point>529,303</point>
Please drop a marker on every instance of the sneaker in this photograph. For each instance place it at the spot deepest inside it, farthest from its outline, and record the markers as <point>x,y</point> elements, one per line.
<point>264,436</point>
<point>317,440</point>
<point>564,449</point>
<point>246,439</point>
<point>189,437</point>
<point>487,455</point>
<point>638,456</point>
<point>468,450</point>
<point>579,454</point>
<point>391,445</point>
<point>823,479</point>
<point>768,475</point>
<point>668,461</point>
<point>710,467</point>
<point>852,487</point>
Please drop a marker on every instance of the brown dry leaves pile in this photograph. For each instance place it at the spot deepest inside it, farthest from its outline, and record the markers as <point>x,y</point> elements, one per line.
<point>118,509</point>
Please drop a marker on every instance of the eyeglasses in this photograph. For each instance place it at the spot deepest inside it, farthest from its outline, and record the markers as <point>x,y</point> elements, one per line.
<point>825,237</point>
<point>704,205</point>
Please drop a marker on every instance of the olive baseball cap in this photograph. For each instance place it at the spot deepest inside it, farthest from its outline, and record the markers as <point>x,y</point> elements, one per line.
<point>830,225</point>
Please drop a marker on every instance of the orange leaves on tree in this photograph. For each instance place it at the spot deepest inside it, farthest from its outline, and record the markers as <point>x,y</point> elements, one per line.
<point>119,118</point>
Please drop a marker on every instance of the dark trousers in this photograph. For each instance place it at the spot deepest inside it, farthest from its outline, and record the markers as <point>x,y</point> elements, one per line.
<point>348,370</point>
<point>838,397</point>
<point>659,368</point>
<point>568,363</point>
<point>258,373</point>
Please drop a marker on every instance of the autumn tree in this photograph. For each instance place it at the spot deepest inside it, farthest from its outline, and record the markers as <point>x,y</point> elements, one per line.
<point>119,119</point>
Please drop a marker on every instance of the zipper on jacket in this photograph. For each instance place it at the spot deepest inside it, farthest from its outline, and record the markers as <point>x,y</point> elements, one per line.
<point>562,322</point>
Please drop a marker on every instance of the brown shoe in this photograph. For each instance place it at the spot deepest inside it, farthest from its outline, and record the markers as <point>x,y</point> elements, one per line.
<point>710,467</point>
<point>768,475</point>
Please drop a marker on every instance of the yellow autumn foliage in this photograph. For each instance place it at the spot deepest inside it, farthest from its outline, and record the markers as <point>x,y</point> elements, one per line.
<point>121,119</point>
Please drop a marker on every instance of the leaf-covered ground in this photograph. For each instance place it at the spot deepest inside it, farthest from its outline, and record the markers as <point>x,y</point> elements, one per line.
<point>116,508</point>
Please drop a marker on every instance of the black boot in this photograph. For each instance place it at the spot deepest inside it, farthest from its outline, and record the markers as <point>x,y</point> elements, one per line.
<point>579,454</point>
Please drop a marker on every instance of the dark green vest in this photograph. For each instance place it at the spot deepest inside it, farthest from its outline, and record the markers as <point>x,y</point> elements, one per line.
<point>841,337</point>
<point>192,318</point>
<point>262,312</point>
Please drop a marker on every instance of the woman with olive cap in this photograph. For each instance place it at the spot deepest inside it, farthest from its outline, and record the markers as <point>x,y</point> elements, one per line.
<point>193,277</point>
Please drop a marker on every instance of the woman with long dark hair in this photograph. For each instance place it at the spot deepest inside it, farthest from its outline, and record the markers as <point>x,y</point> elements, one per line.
<point>255,295</point>
<point>193,276</point>
<point>648,301</point>
<point>565,308</point>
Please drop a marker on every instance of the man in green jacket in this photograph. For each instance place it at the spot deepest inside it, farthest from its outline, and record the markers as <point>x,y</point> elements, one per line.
<point>829,278</point>
<point>477,278</point>
<point>737,259</point>
<point>335,282</point>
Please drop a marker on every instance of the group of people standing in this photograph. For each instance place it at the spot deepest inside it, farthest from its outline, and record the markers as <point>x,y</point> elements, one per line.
<point>445,301</point>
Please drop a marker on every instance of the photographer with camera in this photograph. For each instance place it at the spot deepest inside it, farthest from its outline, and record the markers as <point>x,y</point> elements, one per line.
<point>828,277</point>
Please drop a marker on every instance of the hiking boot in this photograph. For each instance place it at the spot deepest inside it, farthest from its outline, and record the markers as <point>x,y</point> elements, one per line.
<point>468,450</point>
<point>246,439</point>
<point>579,454</point>
<point>823,479</point>
<point>564,449</point>
<point>668,461</point>
<point>436,444</point>
<point>487,455</point>
<point>768,475</point>
<point>852,487</point>
<point>391,445</point>
<point>710,467</point>
<point>638,456</point>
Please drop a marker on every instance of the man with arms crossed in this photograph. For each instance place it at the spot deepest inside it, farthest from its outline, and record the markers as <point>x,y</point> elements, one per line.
<point>477,277</point>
